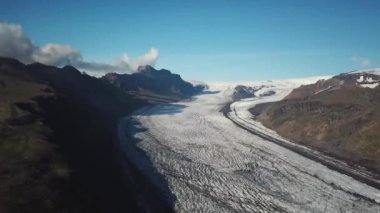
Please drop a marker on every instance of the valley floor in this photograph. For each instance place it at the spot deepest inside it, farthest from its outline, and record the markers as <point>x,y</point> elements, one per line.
<point>203,162</point>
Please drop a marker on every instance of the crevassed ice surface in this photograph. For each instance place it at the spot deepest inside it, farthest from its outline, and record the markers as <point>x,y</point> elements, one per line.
<point>212,165</point>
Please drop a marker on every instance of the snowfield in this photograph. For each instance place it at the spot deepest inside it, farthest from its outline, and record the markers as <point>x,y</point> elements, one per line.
<point>203,162</point>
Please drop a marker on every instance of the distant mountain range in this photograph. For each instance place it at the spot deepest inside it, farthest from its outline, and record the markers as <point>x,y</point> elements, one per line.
<point>339,116</point>
<point>151,82</point>
<point>58,149</point>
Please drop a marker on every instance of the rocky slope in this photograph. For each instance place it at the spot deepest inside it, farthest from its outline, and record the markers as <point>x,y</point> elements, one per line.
<point>339,116</point>
<point>58,148</point>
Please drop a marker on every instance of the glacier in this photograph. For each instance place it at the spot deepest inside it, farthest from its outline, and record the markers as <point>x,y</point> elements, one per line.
<point>203,162</point>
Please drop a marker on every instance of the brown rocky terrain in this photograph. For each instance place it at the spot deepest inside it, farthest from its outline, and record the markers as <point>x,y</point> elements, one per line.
<point>339,116</point>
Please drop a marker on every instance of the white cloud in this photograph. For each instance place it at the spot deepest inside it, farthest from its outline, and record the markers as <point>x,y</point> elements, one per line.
<point>57,54</point>
<point>16,44</point>
<point>148,58</point>
<point>361,61</point>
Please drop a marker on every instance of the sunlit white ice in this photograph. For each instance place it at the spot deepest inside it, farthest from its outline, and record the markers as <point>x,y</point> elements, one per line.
<point>212,165</point>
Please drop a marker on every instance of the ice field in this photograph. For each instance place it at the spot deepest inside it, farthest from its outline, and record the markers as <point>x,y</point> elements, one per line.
<point>204,162</point>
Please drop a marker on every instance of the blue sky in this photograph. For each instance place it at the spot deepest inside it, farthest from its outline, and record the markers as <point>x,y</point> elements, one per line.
<point>213,40</point>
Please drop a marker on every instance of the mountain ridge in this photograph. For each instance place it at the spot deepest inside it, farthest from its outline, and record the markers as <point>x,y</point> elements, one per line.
<point>149,81</point>
<point>338,116</point>
<point>58,146</point>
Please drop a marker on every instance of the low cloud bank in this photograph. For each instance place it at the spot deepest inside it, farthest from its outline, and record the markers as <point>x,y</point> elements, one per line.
<point>15,43</point>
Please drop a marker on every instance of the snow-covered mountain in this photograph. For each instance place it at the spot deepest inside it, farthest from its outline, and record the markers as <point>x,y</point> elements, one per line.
<point>369,78</point>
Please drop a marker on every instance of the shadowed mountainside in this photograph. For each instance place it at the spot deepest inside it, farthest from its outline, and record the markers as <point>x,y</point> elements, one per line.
<point>58,148</point>
<point>151,82</point>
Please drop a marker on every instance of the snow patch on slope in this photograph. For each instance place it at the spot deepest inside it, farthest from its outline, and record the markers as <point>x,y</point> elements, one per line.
<point>371,86</point>
<point>322,90</point>
<point>367,82</point>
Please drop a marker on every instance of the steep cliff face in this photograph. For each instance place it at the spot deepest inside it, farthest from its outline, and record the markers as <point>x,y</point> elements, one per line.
<point>339,116</point>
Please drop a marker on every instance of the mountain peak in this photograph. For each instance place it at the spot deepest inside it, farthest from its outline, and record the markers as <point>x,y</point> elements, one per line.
<point>69,68</point>
<point>145,67</point>
<point>148,80</point>
<point>151,71</point>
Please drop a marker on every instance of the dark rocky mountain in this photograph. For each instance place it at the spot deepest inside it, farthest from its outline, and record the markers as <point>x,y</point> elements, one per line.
<point>241,92</point>
<point>151,82</point>
<point>339,116</point>
<point>58,145</point>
